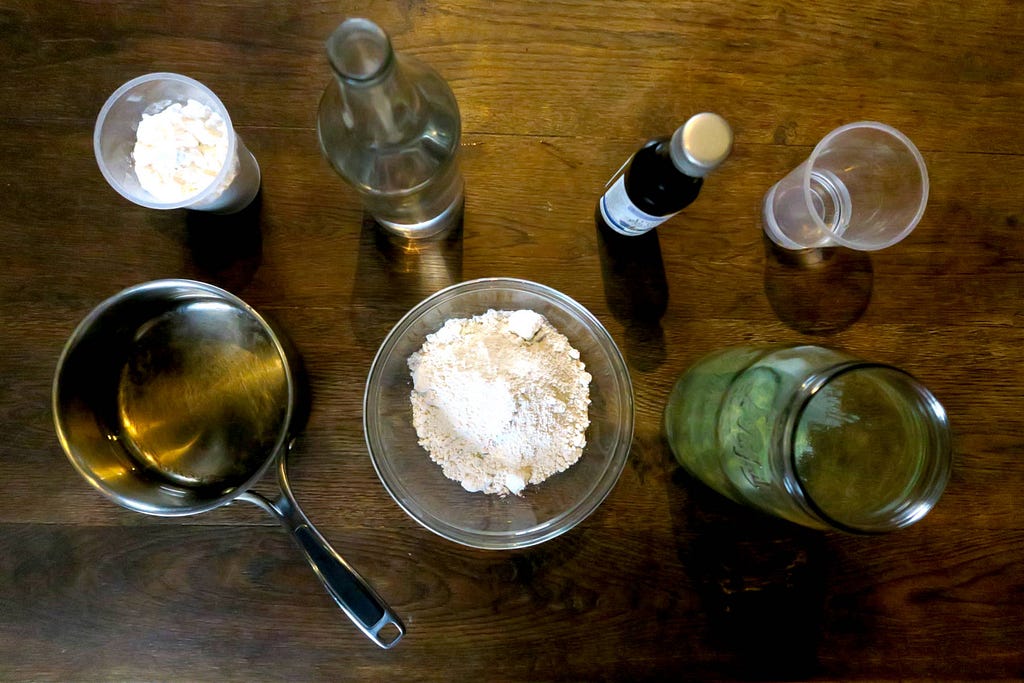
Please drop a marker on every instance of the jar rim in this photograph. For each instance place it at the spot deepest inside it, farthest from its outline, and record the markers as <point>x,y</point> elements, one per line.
<point>926,486</point>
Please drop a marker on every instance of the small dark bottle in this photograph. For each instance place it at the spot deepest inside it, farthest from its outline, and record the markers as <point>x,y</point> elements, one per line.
<point>665,175</point>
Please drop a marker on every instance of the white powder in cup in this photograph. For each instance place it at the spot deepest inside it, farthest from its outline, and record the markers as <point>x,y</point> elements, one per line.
<point>180,150</point>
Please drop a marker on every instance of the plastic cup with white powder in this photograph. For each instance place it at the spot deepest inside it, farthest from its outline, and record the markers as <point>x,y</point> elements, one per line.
<point>165,141</point>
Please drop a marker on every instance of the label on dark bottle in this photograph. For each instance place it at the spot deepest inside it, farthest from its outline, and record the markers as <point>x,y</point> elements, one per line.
<point>622,215</point>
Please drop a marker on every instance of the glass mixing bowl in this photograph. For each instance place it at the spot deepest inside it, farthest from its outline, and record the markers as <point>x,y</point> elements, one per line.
<point>544,510</point>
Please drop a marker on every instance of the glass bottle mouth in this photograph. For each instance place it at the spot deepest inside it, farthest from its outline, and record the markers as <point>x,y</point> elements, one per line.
<point>883,474</point>
<point>359,51</point>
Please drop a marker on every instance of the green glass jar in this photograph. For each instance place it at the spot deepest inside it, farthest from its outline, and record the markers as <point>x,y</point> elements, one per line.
<point>812,435</point>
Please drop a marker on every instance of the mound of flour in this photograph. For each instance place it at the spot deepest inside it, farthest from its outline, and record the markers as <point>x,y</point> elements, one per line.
<point>180,150</point>
<point>500,400</point>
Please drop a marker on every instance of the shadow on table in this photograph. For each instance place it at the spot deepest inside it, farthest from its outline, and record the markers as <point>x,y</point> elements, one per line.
<point>636,291</point>
<point>761,581</point>
<point>817,291</point>
<point>394,274</point>
<point>226,250</point>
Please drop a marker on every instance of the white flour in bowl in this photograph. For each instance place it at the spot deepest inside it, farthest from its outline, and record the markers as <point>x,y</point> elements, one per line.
<point>500,400</point>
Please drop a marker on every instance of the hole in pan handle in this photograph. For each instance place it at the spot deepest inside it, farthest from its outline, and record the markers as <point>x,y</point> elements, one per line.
<point>354,596</point>
<point>349,590</point>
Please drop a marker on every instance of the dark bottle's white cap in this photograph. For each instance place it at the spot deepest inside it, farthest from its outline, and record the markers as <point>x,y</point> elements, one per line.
<point>701,144</point>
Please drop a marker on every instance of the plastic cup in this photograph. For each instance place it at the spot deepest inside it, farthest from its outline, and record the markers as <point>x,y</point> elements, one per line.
<point>864,187</point>
<point>234,187</point>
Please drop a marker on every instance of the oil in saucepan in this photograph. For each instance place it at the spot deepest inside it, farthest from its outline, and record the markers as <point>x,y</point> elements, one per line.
<point>202,395</point>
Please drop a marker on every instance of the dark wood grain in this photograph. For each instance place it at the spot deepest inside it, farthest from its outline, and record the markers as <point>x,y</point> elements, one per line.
<point>666,580</point>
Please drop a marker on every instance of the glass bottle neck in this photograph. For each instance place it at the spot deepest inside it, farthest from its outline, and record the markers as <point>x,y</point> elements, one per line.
<point>377,95</point>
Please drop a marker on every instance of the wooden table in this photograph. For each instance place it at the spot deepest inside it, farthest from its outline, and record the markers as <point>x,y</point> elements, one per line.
<point>666,580</point>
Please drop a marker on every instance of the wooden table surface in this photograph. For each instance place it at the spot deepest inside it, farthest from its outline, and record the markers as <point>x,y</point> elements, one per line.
<point>666,580</point>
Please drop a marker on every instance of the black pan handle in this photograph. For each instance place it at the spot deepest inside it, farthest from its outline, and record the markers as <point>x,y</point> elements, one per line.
<point>354,596</point>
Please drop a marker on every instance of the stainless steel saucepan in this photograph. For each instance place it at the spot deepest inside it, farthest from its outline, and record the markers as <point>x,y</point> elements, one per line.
<point>174,397</point>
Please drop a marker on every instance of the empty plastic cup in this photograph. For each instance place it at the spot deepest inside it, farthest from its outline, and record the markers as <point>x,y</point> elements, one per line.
<point>230,189</point>
<point>864,187</point>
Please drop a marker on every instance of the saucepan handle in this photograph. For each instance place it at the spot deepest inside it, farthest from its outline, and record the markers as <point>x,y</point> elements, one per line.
<point>354,596</point>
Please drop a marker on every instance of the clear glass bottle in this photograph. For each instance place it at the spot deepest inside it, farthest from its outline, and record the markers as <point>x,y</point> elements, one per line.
<point>665,175</point>
<point>390,126</point>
